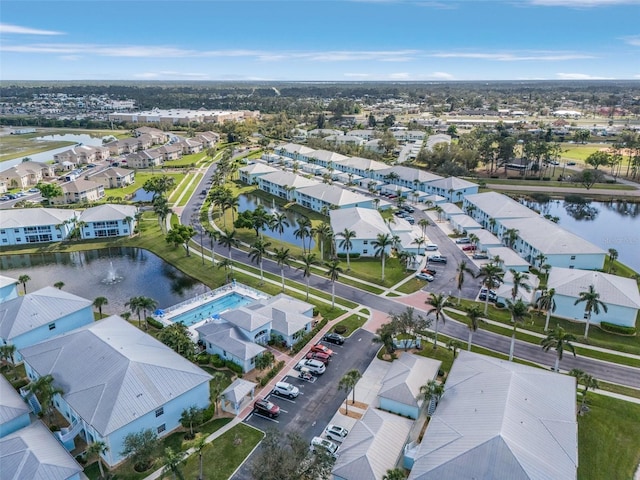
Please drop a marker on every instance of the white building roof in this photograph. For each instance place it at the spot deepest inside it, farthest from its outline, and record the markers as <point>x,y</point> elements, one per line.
<point>295,148</point>
<point>465,221</point>
<point>405,377</point>
<point>500,419</point>
<point>613,290</point>
<point>453,183</point>
<point>228,337</point>
<point>289,179</point>
<point>108,212</point>
<point>497,205</point>
<point>112,373</point>
<point>373,446</point>
<point>509,257</point>
<point>281,302</point>
<point>550,238</point>
<point>333,194</point>
<point>327,156</point>
<point>42,307</point>
<point>366,222</point>
<point>238,390</point>
<point>451,208</point>
<point>363,164</point>
<point>6,281</point>
<point>246,319</point>
<point>256,168</point>
<point>485,237</point>
<point>33,453</point>
<point>34,217</point>
<point>410,174</point>
<point>12,405</point>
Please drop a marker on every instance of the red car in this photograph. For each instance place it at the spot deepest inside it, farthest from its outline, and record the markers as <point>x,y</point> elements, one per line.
<point>265,407</point>
<point>429,271</point>
<point>469,248</point>
<point>322,349</point>
<point>323,357</point>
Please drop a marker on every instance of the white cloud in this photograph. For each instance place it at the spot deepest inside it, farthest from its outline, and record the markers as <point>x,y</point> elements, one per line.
<point>169,74</point>
<point>357,75</point>
<point>18,30</point>
<point>515,57</point>
<point>635,40</point>
<point>581,76</point>
<point>400,76</point>
<point>441,76</point>
<point>70,58</point>
<point>583,3</point>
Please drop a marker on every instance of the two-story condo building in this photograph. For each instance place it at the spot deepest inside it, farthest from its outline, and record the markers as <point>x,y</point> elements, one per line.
<point>35,225</point>
<point>284,184</point>
<point>110,220</point>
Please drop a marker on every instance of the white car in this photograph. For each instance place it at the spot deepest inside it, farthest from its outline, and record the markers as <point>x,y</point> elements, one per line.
<point>286,390</point>
<point>336,432</point>
<point>425,276</point>
<point>432,247</point>
<point>328,445</point>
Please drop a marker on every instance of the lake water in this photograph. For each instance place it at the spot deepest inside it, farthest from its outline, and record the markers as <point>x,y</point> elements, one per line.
<point>141,196</point>
<point>606,224</point>
<point>117,273</point>
<point>47,156</point>
<point>248,201</point>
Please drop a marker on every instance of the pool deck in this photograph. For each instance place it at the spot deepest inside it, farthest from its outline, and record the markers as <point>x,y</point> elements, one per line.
<point>194,302</point>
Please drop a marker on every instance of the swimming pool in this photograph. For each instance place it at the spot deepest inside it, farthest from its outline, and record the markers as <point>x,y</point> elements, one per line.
<point>211,308</point>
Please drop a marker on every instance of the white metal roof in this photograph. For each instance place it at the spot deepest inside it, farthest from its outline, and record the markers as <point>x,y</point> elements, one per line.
<point>32,453</point>
<point>499,419</point>
<point>454,183</point>
<point>366,222</point>
<point>228,337</point>
<point>34,217</point>
<point>289,179</point>
<point>333,194</point>
<point>508,257</point>
<point>247,319</point>
<point>613,289</point>
<point>256,168</point>
<point>108,212</point>
<point>238,390</point>
<point>405,377</point>
<point>498,206</point>
<point>112,373</point>
<point>11,403</point>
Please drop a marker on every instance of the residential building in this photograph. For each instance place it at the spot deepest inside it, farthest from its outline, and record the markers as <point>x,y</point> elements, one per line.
<point>114,177</point>
<point>26,174</point>
<point>189,146</point>
<point>345,140</point>
<point>158,137</point>
<point>619,294</point>
<point>21,226</point>
<point>452,188</point>
<point>526,291</point>
<point>236,395</point>
<point>537,235</point>
<point>229,342</point>
<point>500,419</point>
<point>79,191</point>
<point>367,224</point>
<point>464,224</point>
<point>323,132</point>
<point>250,173</point>
<point>41,315</point>
<point>294,151</point>
<point>433,140</point>
<point>326,159</point>
<point>117,380</point>
<point>365,167</point>
<point>508,259</point>
<point>110,220</point>
<point>8,288</point>
<point>207,139</point>
<point>284,184</point>
<point>367,135</point>
<point>182,116</point>
<point>145,159</point>
<point>321,198</point>
<point>414,178</point>
<point>450,210</point>
<point>169,152</point>
<point>490,207</point>
<point>486,240</point>
<point>14,411</point>
<point>291,319</point>
<point>83,154</point>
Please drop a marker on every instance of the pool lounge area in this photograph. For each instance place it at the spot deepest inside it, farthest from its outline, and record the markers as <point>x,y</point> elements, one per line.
<point>207,307</point>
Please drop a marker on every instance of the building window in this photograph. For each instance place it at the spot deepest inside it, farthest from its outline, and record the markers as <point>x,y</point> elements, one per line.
<point>159,411</point>
<point>573,257</point>
<point>572,266</point>
<point>365,242</point>
<point>364,252</point>
<point>52,326</point>
<point>162,428</point>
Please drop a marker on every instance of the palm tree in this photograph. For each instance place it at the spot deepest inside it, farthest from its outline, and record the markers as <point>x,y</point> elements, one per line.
<point>473,314</point>
<point>473,238</point>
<point>547,303</point>
<point>45,391</point>
<point>333,272</point>
<point>198,445</point>
<point>98,448</point>
<point>257,253</point>
<point>59,285</point>
<point>348,382</point>
<point>283,257</point>
<point>134,304</point>
<point>382,241</point>
<point>511,236</point>
<point>437,302</point>
<point>431,393</point>
<point>303,231</point>
<point>227,264</point>
<point>147,305</point>
<point>6,353</point>
<point>100,302</point>
<point>518,281</point>
<point>233,203</point>
<point>279,222</point>
<point>214,236</point>
<point>492,278</point>
<point>229,240</point>
<point>460,271</point>
<point>308,261</point>
<point>23,279</point>
<point>346,244</point>
<point>324,232</point>
<point>419,242</point>
<point>172,462</point>
<point>423,223</point>
<point>394,474</point>
<point>546,268</point>
<point>588,382</point>
<point>559,340</point>
<point>613,256</point>
<point>540,259</point>
<point>592,302</point>
<point>519,311</point>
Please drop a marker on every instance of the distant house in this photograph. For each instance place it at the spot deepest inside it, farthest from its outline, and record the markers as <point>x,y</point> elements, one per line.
<point>145,159</point>
<point>291,319</point>
<point>619,294</point>
<point>345,140</point>
<point>79,191</point>
<point>486,240</point>
<point>449,210</point>
<point>294,151</point>
<point>116,380</point>
<point>41,315</point>
<point>284,184</point>
<point>322,198</point>
<point>499,419</point>
<point>110,220</point>
<point>323,132</point>
<point>452,188</point>
<point>14,411</point>
<point>22,226</point>
<point>157,136</point>
<point>400,388</point>
<point>207,139</point>
<point>33,453</point>
<point>26,174</point>
<point>189,146</point>
<point>464,224</point>
<point>367,224</point>
<point>114,177</point>
<point>325,158</point>
<point>509,260</point>
<point>169,152</point>
<point>414,178</point>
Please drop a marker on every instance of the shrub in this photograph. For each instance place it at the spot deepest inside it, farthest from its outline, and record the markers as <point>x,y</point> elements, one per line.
<point>208,413</point>
<point>617,329</point>
<point>203,358</point>
<point>546,179</point>
<point>300,344</point>
<point>500,305</point>
<point>351,255</point>
<point>234,367</point>
<point>316,312</point>
<point>340,329</point>
<point>272,373</point>
<point>216,361</point>
<point>155,323</point>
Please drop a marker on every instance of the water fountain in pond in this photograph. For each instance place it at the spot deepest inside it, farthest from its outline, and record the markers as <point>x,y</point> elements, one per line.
<point>112,276</point>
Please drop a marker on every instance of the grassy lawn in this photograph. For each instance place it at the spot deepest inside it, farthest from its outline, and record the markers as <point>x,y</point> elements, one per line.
<point>370,270</point>
<point>187,160</point>
<point>608,439</point>
<point>535,183</point>
<point>411,286</point>
<point>191,183</point>
<point>579,152</point>
<point>352,323</point>
<point>140,179</point>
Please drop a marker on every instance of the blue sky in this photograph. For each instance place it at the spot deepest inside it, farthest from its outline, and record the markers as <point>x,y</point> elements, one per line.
<point>320,40</point>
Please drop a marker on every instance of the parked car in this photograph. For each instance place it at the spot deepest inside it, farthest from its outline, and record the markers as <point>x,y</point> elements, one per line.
<point>431,247</point>
<point>483,295</point>
<point>437,258</point>
<point>469,248</point>
<point>570,164</point>
<point>400,214</point>
<point>463,240</point>
<point>411,220</point>
<point>409,208</point>
<point>286,390</point>
<point>321,348</point>
<point>425,276</point>
<point>11,196</point>
<point>323,357</point>
<point>315,366</point>
<point>336,432</point>
<point>4,198</point>
<point>333,337</point>
<point>33,190</point>
<point>328,445</point>
<point>480,256</point>
<point>430,271</point>
<point>267,408</point>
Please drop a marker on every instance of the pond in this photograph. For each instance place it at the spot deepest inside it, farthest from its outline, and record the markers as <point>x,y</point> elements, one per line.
<point>141,196</point>
<point>606,224</point>
<point>117,273</point>
<point>248,201</point>
<point>47,156</point>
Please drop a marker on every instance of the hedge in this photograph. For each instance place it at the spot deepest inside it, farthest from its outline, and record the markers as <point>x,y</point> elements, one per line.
<point>619,329</point>
<point>155,323</point>
<point>351,255</point>
<point>272,373</point>
<point>218,362</point>
<point>300,344</point>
